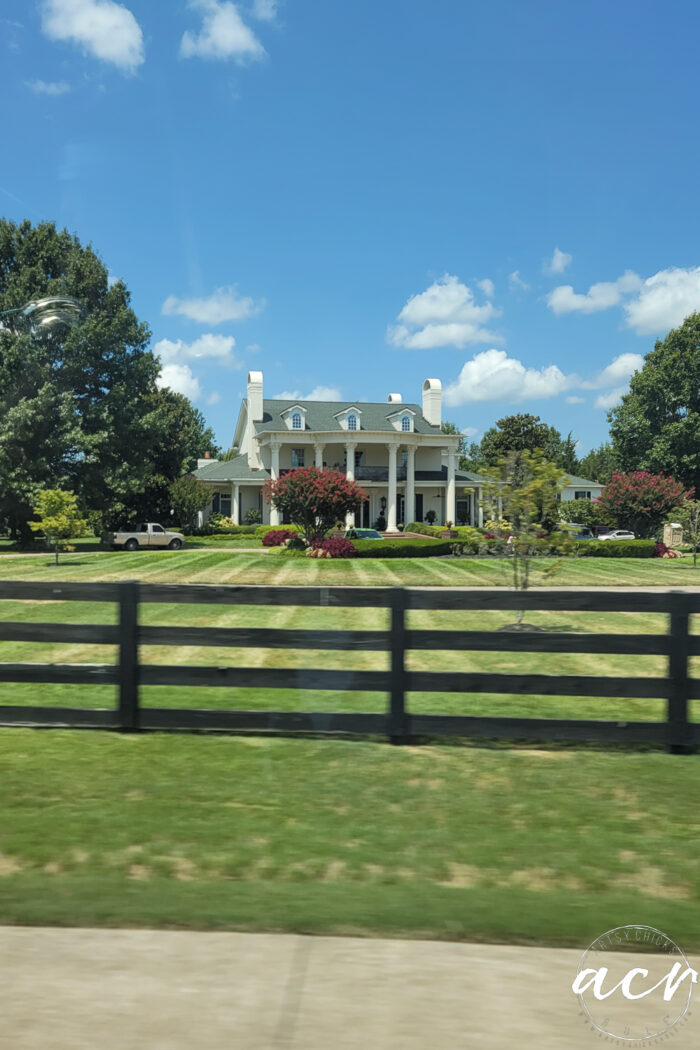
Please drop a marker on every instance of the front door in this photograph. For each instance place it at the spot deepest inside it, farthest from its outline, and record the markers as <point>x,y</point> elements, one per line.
<point>364,515</point>
<point>419,506</point>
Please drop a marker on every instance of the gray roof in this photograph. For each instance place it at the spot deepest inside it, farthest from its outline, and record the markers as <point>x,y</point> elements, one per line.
<point>236,469</point>
<point>583,483</point>
<point>321,416</point>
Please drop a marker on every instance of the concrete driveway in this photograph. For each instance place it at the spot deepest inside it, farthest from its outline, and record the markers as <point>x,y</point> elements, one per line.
<point>65,989</point>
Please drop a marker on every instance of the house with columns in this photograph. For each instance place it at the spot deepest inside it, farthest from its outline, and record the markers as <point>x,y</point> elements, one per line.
<point>395,450</point>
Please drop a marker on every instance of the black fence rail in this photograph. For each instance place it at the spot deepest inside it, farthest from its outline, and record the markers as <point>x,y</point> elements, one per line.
<point>678,732</point>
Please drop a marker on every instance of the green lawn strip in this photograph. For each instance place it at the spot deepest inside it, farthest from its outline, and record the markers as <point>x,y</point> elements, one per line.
<point>299,697</point>
<point>346,837</point>
<point>220,567</point>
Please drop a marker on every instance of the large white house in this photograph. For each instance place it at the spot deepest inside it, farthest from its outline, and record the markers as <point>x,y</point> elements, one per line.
<point>395,450</point>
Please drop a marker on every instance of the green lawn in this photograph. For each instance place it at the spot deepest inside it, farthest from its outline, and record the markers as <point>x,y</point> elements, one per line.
<point>546,845</point>
<point>346,837</point>
<point>207,566</point>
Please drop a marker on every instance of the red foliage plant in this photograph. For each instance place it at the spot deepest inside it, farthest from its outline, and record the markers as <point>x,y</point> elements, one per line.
<point>641,501</point>
<point>337,547</point>
<point>314,499</point>
<point>276,537</point>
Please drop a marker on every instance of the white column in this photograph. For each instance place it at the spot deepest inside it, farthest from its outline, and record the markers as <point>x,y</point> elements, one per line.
<point>350,475</point>
<point>274,474</point>
<point>410,511</point>
<point>479,509</point>
<point>391,501</point>
<point>235,503</point>
<point>318,452</point>
<point>450,490</point>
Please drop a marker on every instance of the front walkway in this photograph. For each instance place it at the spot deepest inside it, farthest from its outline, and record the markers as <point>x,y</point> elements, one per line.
<point>66,989</point>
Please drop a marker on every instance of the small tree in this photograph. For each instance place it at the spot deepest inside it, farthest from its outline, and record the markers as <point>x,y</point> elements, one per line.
<point>689,517</point>
<point>187,497</point>
<point>59,518</point>
<point>641,501</point>
<point>314,499</point>
<point>527,489</point>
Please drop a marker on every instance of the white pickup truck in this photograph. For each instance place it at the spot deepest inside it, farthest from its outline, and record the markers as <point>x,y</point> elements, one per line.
<point>145,534</point>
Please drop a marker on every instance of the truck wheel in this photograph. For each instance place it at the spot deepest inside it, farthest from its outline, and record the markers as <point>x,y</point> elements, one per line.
<point>131,545</point>
<point>175,545</point>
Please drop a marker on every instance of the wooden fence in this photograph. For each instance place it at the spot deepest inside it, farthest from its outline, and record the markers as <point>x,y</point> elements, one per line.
<point>677,732</point>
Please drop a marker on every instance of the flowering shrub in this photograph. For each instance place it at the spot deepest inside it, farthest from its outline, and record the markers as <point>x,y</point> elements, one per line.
<point>662,551</point>
<point>337,547</point>
<point>314,499</point>
<point>276,537</point>
<point>641,501</point>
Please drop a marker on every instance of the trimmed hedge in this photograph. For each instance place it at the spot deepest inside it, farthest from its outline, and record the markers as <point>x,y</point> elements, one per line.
<point>418,548</point>
<point>616,549</point>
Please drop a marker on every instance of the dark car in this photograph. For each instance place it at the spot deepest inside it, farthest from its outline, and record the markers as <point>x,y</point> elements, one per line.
<point>363,534</point>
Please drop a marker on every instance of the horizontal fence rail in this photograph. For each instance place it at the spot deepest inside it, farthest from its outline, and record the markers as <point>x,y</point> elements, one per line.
<point>129,673</point>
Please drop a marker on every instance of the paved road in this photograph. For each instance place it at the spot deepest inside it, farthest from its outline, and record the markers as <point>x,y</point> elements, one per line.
<point>168,990</point>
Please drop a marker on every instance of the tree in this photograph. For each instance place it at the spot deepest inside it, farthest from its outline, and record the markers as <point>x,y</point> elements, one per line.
<point>187,497</point>
<point>76,408</point>
<point>179,437</point>
<point>641,501</point>
<point>526,488</point>
<point>525,432</point>
<point>656,426</point>
<point>584,511</point>
<point>598,465</point>
<point>59,518</point>
<point>314,499</point>
<point>452,428</point>
<point>689,518</point>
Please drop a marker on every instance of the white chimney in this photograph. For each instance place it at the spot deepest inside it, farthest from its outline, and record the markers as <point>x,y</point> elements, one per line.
<point>394,399</point>
<point>255,396</point>
<point>432,402</point>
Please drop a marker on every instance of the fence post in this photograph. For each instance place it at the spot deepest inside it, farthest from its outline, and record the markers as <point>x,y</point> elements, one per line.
<point>398,719</point>
<point>128,655</point>
<point>677,715</point>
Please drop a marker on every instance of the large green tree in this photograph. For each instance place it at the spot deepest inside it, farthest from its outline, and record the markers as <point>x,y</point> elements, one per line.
<point>524,432</point>
<point>79,408</point>
<point>599,464</point>
<point>656,426</point>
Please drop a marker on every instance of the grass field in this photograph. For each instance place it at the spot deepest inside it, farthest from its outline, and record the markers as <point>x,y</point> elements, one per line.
<point>534,844</point>
<point>346,837</point>
<point>212,566</point>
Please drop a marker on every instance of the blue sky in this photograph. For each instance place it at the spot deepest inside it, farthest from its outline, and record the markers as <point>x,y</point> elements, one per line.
<point>352,197</point>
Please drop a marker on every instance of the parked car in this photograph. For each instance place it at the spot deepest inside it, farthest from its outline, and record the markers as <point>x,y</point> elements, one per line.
<point>145,534</point>
<point>363,534</point>
<point>618,534</point>
<point>576,530</point>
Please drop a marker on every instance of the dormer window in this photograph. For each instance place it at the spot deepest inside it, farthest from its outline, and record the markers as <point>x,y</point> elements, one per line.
<point>352,422</point>
<point>406,423</point>
<point>296,421</point>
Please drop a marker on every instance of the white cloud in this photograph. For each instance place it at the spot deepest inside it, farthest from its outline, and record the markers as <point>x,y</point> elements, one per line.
<point>487,287</point>
<point>265,10</point>
<point>214,398</point>
<point>619,370</point>
<point>102,28</point>
<point>558,263</point>
<point>319,393</point>
<point>664,301</point>
<point>469,432</point>
<point>611,397</point>
<point>445,314</point>
<point>574,400</point>
<point>218,347</point>
<point>180,379</point>
<point>51,87</point>
<point>223,35</point>
<point>493,376</point>
<point>224,305</point>
<point>601,296</point>
<point>516,281</point>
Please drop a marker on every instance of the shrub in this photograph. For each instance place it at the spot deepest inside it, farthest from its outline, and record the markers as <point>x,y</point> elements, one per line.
<point>253,517</point>
<point>262,530</point>
<point>616,549</point>
<point>418,548</point>
<point>276,537</point>
<point>337,547</point>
